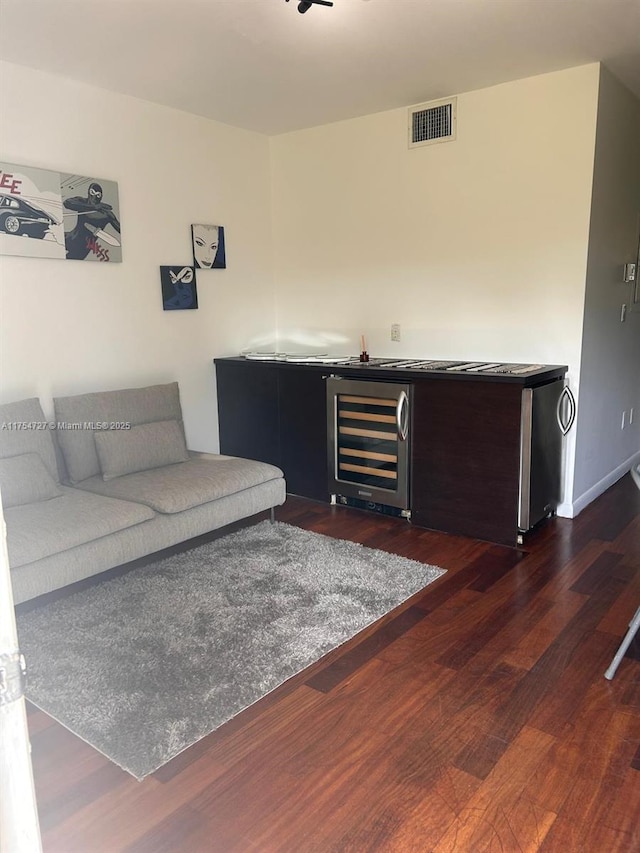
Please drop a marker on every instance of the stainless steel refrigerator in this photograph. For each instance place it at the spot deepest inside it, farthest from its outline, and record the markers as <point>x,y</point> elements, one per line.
<point>548,412</point>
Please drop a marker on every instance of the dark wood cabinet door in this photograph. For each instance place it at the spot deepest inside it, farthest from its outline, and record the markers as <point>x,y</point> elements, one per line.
<point>248,411</point>
<point>466,458</point>
<point>303,432</point>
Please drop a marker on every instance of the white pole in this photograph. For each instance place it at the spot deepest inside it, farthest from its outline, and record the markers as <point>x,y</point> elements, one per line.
<point>19,829</point>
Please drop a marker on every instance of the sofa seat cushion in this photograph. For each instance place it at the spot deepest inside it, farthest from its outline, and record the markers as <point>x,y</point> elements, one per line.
<point>38,530</point>
<point>179,487</point>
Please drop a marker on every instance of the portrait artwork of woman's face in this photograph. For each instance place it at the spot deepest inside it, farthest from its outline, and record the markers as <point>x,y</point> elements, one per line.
<point>208,246</point>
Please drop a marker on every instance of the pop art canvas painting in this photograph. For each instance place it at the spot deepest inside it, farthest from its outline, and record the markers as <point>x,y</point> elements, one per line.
<point>208,247</point>
<point>91,211</point>
<point>31,213</point>
<point>178,287</point>
<point>45,214</point>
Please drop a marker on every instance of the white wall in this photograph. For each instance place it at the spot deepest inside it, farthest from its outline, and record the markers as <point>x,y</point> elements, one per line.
<point>70,326</point>
<point>610,376</point>
<point>476,247</point>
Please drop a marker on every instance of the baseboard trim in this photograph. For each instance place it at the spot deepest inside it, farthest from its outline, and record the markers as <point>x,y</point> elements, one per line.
<point>571,510</point>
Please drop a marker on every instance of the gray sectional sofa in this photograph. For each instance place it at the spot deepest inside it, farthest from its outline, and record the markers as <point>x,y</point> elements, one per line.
<point>113,481</point>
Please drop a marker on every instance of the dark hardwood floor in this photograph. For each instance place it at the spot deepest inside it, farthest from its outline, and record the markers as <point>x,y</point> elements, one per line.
<point>476,718</point>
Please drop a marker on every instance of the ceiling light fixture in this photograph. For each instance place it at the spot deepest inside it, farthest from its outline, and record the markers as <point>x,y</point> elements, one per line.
<point>305,5</point>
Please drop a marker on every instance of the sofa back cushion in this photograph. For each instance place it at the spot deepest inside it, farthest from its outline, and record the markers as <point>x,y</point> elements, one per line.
<point>84,415</point>
<point>24,429</point>
<point>140,448</point>
<point>25,479</point>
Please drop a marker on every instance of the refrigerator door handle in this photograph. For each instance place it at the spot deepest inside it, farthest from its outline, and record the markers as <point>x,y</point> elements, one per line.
<point>566,424</point>
<point>402,416</point>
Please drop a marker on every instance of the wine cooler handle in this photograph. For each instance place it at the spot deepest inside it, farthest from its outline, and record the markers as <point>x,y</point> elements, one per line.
<point>402,416</point>
<point>565,425</point>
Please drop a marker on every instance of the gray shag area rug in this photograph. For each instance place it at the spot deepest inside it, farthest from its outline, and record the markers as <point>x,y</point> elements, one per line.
<point>144,665</point>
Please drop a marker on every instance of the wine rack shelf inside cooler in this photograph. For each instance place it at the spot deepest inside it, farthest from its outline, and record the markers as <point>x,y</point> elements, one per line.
<point>367,440</point>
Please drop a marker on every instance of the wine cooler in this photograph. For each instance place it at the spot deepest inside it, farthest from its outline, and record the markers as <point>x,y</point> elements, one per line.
<point>368,442</point>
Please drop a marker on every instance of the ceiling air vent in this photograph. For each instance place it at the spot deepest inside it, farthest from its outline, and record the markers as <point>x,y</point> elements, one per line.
<point>433,122</point>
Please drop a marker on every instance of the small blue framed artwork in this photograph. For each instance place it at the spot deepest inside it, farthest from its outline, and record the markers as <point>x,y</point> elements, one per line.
<point>178,287</point>
<point>208,247</point>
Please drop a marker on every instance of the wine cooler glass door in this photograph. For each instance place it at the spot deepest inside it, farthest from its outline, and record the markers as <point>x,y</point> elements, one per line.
<point>368,432</point>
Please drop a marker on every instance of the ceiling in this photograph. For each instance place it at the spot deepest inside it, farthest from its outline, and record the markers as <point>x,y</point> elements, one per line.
<point>260,65</point>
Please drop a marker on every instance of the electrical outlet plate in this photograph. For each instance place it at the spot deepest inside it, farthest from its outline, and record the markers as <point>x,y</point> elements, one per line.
<point>395,331</point>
